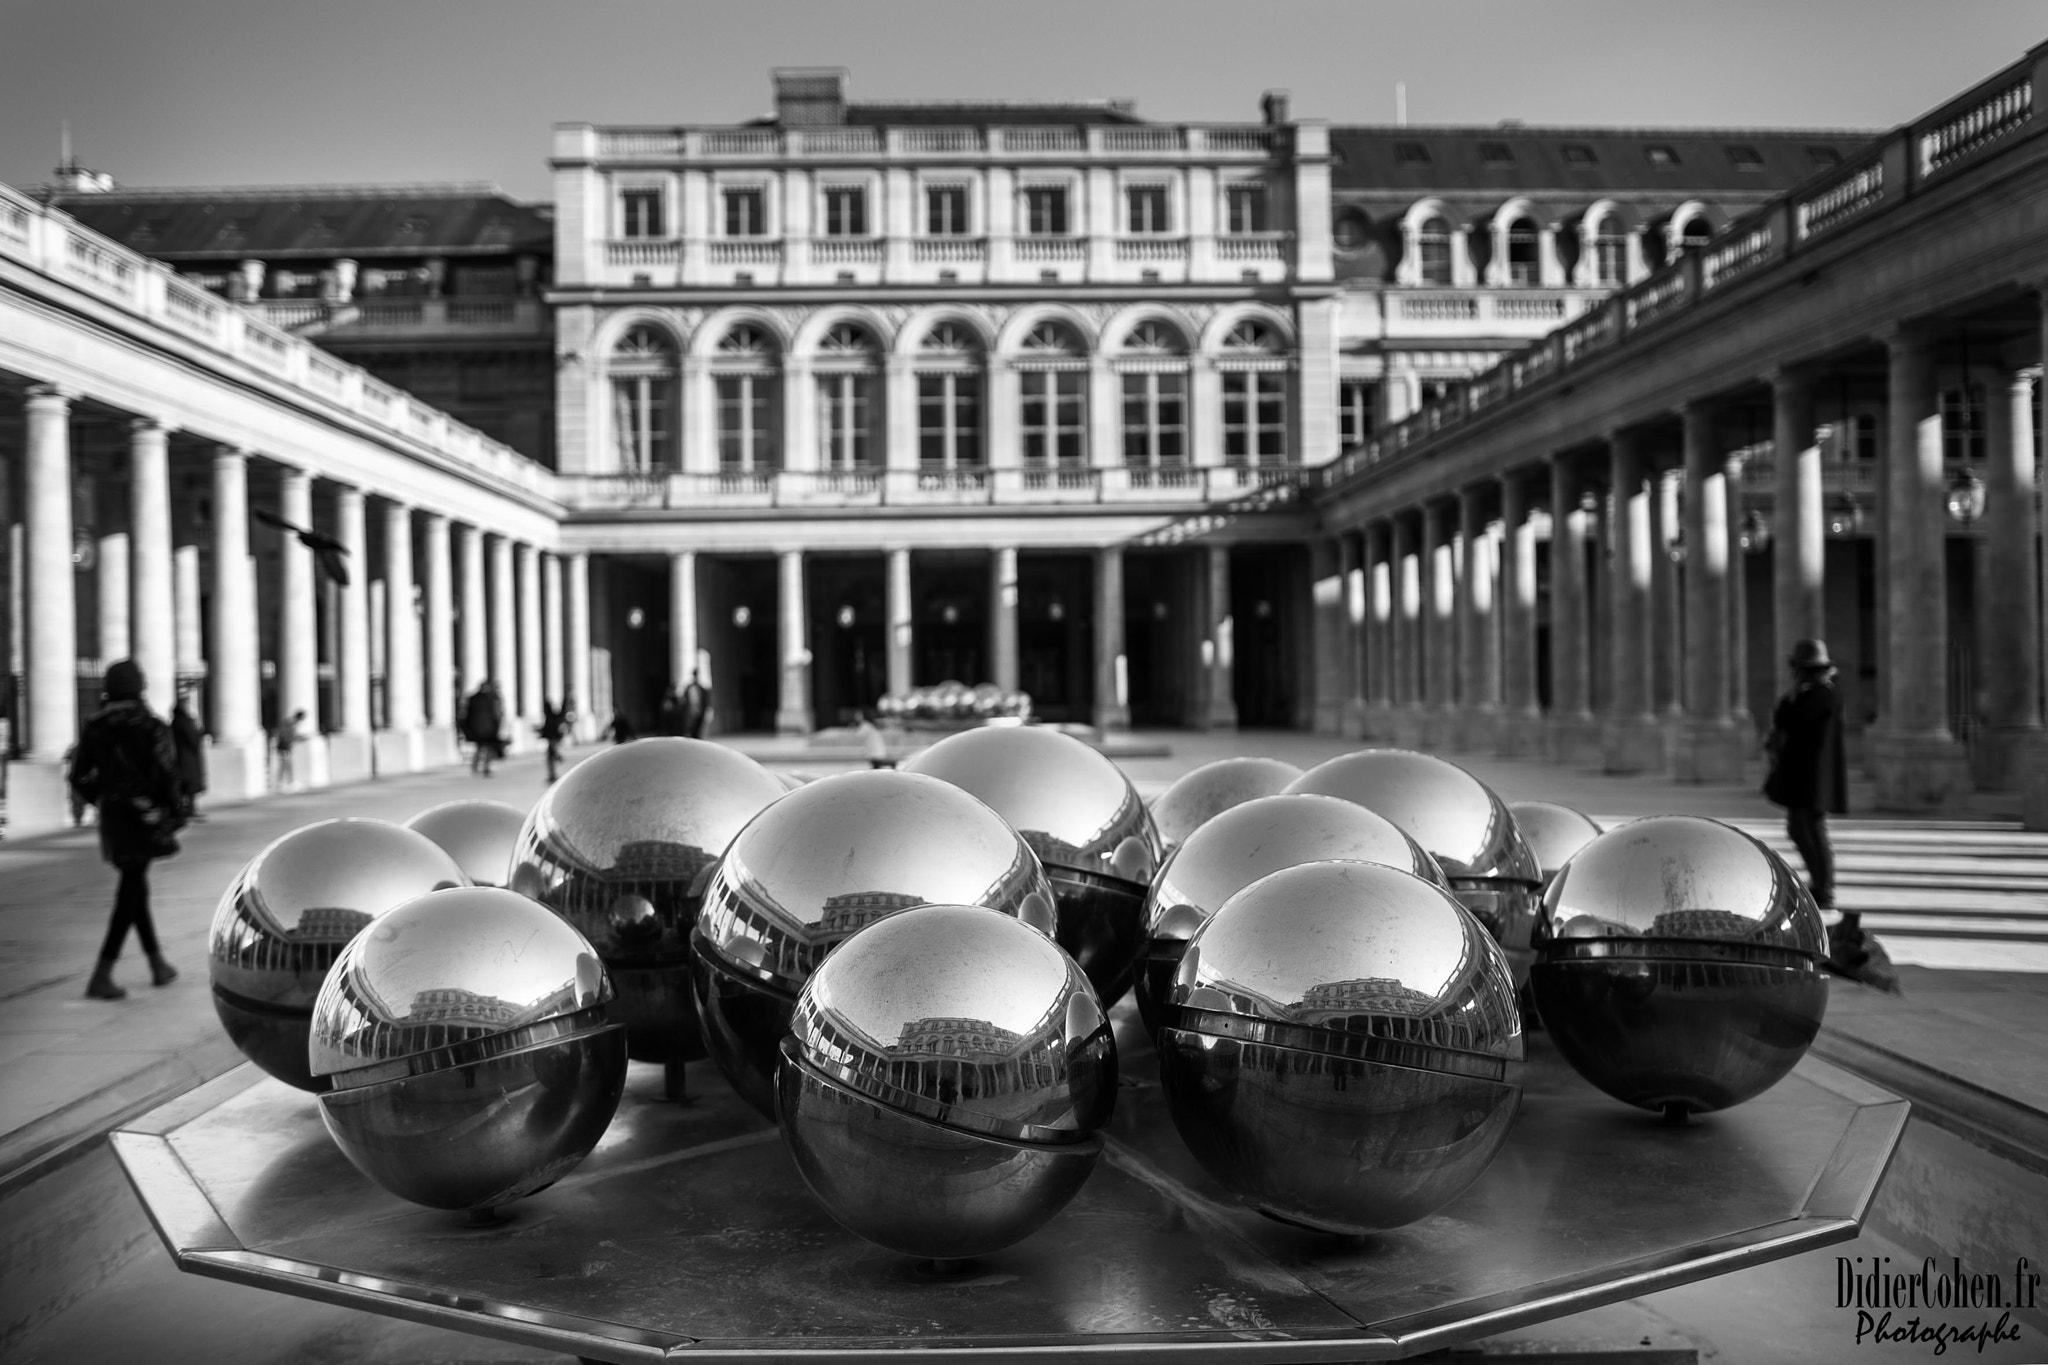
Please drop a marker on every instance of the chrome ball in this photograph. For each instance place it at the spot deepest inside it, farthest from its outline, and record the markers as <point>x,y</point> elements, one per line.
<point>945,1074</point>
<point>1681,965</point>
<point>829,858</point>
<point>1465,827</point>
<point>1243,844</point>
<point>1554,833</point>
<point>1212,788</point>
<point>1083,819</point>
<point>622,848</point>
<point>288,913</point>
<point>1341,1047</point>
<point>480,836</point>
<point>465,1038</point>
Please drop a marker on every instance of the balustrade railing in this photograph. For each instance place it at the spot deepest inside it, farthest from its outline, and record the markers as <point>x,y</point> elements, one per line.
<point>743,251</point>
<point>941,139</point>
<point>846,251</point>
<point>1043,140</point>
<point>1028,484</point>
<point>1839,202</point>
<point>742,142</point>
<point>1152,250</point>
<point>948,250</point>
<point>1239,140</point>
<point>640,142</point>
<point>1980,123</point>
<point>835,142</point>
<point>1036,250</point>
<point>88,258</point>
<point>1252,246</point>
<point>642,251</point>
<point>1115,139</point>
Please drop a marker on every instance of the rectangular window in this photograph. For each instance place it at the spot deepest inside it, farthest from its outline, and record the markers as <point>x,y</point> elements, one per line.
<point>1579,154</point>
<point>1155,420</point>
<point>1245,208</point>
<point>1496,154</point>
<point>746,213</point>
<point>1744,157</point>
<point>640,213</point>
<point>1356,407</point>
<point>746,434</point>
<point>945,211</point>
<point>1053,415</point>
<point>1147,208</point>
<point>1410,154</point>
<point>844,402</point>
<point>949,421</point>
<point>1254,418</point>
<point>1660,154</point>
<point>846,211</point>
<point>1045,211</point>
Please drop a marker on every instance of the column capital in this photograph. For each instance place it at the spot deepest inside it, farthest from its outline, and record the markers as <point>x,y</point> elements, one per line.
<point>436,518</point>
<point>1913,334</point>
<point>60,396</point>
<point>1793,376</point>
<point>223,454</point>
<point>151,425</point>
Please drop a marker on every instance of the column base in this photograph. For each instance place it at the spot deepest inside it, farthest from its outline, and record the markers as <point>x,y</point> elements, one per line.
<point>1222,716</point>
<point>1405,727</point>
<point>38,798</point>
<point>1574,740</point>
<point>1632,745</point>
<point>2005,757</point>
<point>1918,771</point>
<point>1522,734</point>
<point>238,771</point>
<point>1710,751</point>
<point>1351,719</point>
<point>311,763</point>
<point>795,721</point>
<point>348,757</point>
<point>1440,726</point>
<point>2034,802</point>
<point>1112,718</point>
<point>396,751</point>
<point>437,746</point>
<point>1376,721</point>
<point>1329,716</point>
<point>1478,731</point>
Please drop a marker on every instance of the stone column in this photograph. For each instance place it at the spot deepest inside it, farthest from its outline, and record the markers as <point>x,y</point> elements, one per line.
<point>2007,591</point>
<point>1740,709</point>
<point>240,759</point>
<point>553,679</point>
<point>298,640</point>
<point>1478,656</point>
<point>1329,634</point>
<point>1522,732</point>
<point>437,574</point>
<point>1915,759</point>
<point>476,660</point>
<point>1352,572</point>
<point>684,628</point>
<point>1112,668</point>
<point>504,666</point>
<point>1709,748</point>
<point>349,747</point>
<point>1798,517</point>
<point>1003,618</point>
<point>1439,655</point>
<point>1667,607</point>
<point>1630,739</point>
<point>399,744</point>
<point>1379,631</point>
<point>153,640</point>
<point>1222,647</point>
<point>189,596</point>
<point>1572,729</point>
<point>793,714</point>
<point>1407,642</point>
<point>577,646</point>
<point>111,580</point>
<point>897,625</point>
<point>528,560</point>
<point>49,597</point>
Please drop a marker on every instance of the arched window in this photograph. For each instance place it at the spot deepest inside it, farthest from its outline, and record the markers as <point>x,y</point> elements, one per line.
<point>1253,367</point>
<point>1609,247</point>
<point>746,376</point>
<point>1154,369</point>
<point>949,400</point>
<point>1433,250</point>
<point>1052,376</point>
<point>643,375</point>
<point>1523,262</point>
<point>1348,233</point>
<point>847,373</point>
<point>1694,232</point>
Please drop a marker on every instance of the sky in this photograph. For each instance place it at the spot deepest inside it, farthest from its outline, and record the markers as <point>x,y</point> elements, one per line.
<point>253,92</point>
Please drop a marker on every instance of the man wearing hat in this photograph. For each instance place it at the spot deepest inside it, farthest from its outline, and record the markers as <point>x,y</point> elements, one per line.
<point>1809,777</point>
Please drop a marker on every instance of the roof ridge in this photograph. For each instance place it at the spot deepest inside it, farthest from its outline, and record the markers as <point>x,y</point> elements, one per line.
<point>424,189</point>
<point>1592,131</point>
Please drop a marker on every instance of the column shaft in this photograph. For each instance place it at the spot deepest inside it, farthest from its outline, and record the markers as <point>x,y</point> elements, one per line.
<point>1798,519</point>
<point>898,625</point>
<point>1222,646</point>
<point>2007,591</point>
<point>1379,632</point>
<point>1630,741</point>
<point>49,597</point>
<point>437,574</point>
<point>231,673</point>
<point>1709,749</point>
<point>528,560</point>
<point>298,640</point>
<point>683,624</point>
<point>111,579</point>
<point>476,660</point>
<point>793,713</point>
<point>504,667</point>
<point>1570,699</point>
<point>1330,633</point>
<point>189,595</point>
<point>1667,606</point>
<point>1478,661</point>
<point>1003,618</point>
<point>553,679</point>
<point>1521,730</point>
<point>1740,709</point>
<point>1112,668</point>
<point>153,640</point>
<point>1438,654</point>
<point>1351,568</point>
<point>577,646</point>
<point>1407,650</point>
<point>402,623</point>
<point>352,669</point>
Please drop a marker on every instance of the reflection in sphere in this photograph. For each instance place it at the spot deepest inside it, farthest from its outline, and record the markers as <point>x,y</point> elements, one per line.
<point>1554,833</point>
<point>1083,819</point>
<point>1241,845</point>
<point>1681,965</point>
<point>479,835</point>
<point>945,1075</point>
<point>465,1040</point>
<point>1465,827</point>
<point>1341,1047</point>
<point>287,915</point>
<point>822,863</point>
<point>1214,787</point>
<point>622,847</point>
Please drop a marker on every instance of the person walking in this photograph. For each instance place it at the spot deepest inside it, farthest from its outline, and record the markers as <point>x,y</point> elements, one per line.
<point>621,730</point>
<point>1809,777</point>
<point>188,740</point>
<point>126,764</point>
<point>288,736</point>
<point>554,724</point>
<point>483,718</point>
<point>695,706</point>
<point>668,713</point>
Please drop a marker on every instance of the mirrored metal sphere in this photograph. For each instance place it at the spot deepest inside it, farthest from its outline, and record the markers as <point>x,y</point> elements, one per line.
<point>1243,844</point>
<point>945,1074</point>
<point>465,1038</point>
<point>479,835</point>
<point>622,848</point>
<point>1465,827</point>
<point>1083,819</point>
<point>287,915</point>
<point>1212,788</point>
<point>819,864</point>
<point>1554,833</point>
<point>1341,1047</point>
<point>1680,968</point>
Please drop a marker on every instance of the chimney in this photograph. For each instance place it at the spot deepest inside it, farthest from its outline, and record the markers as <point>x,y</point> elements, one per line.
<point>810,96</point>
<point>1274,105</point>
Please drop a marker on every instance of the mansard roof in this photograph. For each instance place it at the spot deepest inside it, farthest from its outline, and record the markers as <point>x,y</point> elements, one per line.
<point>976,114</point>
<point>1521,159</point>
<point>279,222</point>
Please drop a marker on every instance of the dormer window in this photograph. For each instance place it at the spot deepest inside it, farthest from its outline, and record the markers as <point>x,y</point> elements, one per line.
<point>1579,154</point>
<point>1823,156</point>
<point>1744,157</point>
<point>1410,154</point>
<point>1661,154</point>
<point>1496,154</point>
<point>1433,251</point>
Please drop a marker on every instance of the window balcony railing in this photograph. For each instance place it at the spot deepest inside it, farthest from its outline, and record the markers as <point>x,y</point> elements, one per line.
<point>846,251</point>
<point>948,250</point>
<point>1064,485</point>
<point>743,251</point>
<point>642,251</point>
<point>1152,250</point>
<point>1049,250</point>
<point>1252,246</point>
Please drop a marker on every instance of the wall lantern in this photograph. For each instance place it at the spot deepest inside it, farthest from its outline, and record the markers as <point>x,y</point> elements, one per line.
<point>1263,609</point>
<point>1057,611</point>
<point>1845,517</point>
<point>950,614</point>
<point>742,616</point>
<point>635,619</point>
<point>1754,535</point>
<point>1676,547</point>
<point>846,615</point>
<point>1159,611</point>
<point>1965,496</point>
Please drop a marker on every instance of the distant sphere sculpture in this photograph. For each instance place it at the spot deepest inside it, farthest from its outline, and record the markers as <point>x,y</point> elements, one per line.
<point>1554,833</point>
<point>1462,823</point>
<point>1681,965</point>
<point>1083,819</point>
<point>622,848</point>
<point>826,860</point>
<point>943,1082</point>
<point>1212,788</point>
<point>481,836</point>
<point>469,1057</point>
<point>287,915</point>
<point>1244,843</point>
<point>1341,1047</point>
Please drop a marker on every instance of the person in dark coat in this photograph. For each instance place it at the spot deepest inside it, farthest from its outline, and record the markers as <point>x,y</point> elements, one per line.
<point>481,721</point>
<point>695,706</point>
<point>668,715</point>
<point>554,725</point>
<point>189,741</point>
<point>126,764</point>
<point>621,730</point>
<point>1809,777</point>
